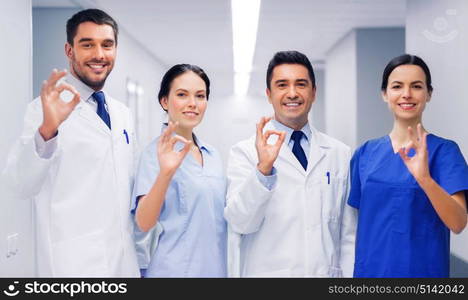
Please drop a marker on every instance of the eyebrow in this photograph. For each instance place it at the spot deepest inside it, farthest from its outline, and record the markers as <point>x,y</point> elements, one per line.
<point>90,40</point>
<point>297,80</point>
<point>184,90</point>
<point>413,82</point>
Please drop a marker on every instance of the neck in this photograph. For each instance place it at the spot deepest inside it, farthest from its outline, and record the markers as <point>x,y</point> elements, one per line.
<point>399,132</point>
<point>186,133</point>
<point>293,124</point>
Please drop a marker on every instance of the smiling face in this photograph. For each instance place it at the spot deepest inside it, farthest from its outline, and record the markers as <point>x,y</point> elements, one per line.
<point>92,54</point>
<point>407,93</point>
<point>186,102</point>
<point>291,93</point>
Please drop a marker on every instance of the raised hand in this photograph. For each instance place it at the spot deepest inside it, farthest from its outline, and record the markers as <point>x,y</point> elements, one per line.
<point>170,159</point>
<point>267,153</point>
<point>54,109</point>
<point>418,165</point>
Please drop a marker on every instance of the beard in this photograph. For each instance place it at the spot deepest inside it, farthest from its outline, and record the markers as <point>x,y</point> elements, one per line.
<point>95,85</point>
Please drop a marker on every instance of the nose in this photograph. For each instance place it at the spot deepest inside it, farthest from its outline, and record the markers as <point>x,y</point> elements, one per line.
<point>406,93</point>
<point>192,102</point>
<point>292,93</point>
<point>99,53</point>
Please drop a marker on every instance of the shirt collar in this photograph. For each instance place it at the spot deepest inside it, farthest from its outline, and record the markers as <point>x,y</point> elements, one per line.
<point>85,91</point>
<point>281,127</point>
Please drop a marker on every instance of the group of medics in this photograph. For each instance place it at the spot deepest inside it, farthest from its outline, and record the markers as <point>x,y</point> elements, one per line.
<point>295,202</point>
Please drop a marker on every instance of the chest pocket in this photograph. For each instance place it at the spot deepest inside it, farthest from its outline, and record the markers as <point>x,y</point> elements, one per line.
<point>413,211</point>
<point>332,188</point>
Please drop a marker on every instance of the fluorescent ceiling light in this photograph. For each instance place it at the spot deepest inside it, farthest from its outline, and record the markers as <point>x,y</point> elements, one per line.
<point>245,14</point>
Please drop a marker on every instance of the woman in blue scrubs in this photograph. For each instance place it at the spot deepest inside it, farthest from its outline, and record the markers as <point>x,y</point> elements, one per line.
<point>180,184</point>
<point>410,186</point>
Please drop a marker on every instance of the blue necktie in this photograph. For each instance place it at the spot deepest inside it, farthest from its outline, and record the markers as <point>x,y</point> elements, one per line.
<point>101,107</point>
<point>297,148</point>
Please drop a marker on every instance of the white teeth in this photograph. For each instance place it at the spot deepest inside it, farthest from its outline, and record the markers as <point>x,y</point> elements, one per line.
<point>292,104</point>
<point>407,105</point>
<point>96,66</point>
<point>190,113</point>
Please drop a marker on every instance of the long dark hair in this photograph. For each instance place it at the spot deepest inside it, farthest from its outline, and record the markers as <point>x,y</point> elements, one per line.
<point>176,71</point>
<point>406,59</point>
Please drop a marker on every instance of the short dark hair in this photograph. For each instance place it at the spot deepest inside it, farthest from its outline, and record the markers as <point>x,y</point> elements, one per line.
<point>289,57</point>
<point>96,16</point>
<point>176,71</point>
<point>406,59</point>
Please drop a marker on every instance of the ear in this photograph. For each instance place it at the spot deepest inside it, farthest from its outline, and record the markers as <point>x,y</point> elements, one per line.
<point>268,93</point>
<point>314,93</point>
<point>429,96</point>
<point>164,104</point>
<point>68,50</point>
<point>384,96</point>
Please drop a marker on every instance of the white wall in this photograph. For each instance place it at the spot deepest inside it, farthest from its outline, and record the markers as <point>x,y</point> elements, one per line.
<point>15,84</point>
<point>340,90</point>
<point>438,32</point>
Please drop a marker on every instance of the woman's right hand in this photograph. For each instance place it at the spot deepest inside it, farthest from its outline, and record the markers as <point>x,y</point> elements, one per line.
<point>170,159</point>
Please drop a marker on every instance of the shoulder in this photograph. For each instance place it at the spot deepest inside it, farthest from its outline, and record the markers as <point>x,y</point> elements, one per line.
<point>438,145</point>
<point>244,145</point>
<point>117,104</point>
<point>370,145</point>
<point>337,147</point>
<point>333,142</point>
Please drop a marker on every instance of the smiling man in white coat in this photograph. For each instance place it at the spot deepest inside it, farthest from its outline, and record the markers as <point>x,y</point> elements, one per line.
<point>75,160</point>
<point>288,184</point>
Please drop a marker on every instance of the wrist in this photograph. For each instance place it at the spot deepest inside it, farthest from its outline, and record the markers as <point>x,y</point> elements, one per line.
<point>265,169</point>
<point>425,181</point>
<point>47,133</point>
<point>167,173</point>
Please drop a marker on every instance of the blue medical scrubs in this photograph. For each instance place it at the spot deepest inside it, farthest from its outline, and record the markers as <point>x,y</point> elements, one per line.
<point>399,233</point>
<point>193,239</point>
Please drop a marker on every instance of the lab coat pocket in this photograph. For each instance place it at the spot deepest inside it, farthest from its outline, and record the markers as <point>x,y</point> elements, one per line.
<point>83,256</point>
<point>332,198</point>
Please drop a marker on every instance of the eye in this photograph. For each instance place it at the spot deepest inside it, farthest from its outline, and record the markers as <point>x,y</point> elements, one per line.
<point>108,45</point>
<point>180,94</point>
<point>302,84</point>
<point>396,86</point>
<point>281,85</point>
<point>418,86</point>
<point>86,45</point>
<point>201,96</point>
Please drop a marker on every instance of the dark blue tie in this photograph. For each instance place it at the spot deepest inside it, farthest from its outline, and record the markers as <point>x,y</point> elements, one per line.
<point>101,107</point>
<point>297,148</point>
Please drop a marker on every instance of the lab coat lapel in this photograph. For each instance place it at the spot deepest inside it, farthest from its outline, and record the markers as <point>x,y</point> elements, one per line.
<point>92,117</point>
<point>287,154</point>
<point>318,150</point>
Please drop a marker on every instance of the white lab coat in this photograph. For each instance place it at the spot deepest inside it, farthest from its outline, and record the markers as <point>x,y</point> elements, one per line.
<point>81,194</point>
<point>303,226</point>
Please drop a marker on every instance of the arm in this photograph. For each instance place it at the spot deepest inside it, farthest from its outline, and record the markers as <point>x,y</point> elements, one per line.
<point>450,208</point>
<point>149,205</point>
<point>247,196</point>
<point>31,157</point>
<point>348,235</point>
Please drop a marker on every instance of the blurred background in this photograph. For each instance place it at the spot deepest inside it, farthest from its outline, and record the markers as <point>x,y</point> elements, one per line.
<point>349,42</point>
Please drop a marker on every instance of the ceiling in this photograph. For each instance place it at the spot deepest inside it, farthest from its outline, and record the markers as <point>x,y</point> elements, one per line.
<point>200,32</point>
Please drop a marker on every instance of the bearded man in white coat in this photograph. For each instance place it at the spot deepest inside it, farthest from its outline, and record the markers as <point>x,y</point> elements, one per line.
<point>75,160</point>
<point>288,186</point>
